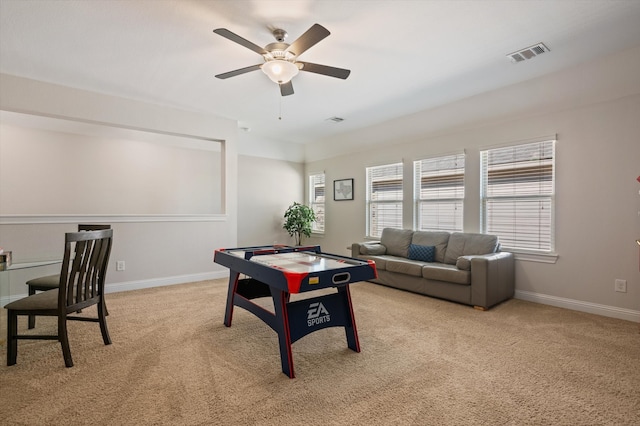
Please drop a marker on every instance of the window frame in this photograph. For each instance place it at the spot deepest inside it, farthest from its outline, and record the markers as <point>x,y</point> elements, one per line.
<point>394,184</point>
<point>316,181</point>
<point>451,196</point>
<point>536,171</point>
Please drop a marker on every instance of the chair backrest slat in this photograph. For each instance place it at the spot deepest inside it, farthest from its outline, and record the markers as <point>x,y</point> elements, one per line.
<point>80,264</point>
<point>91,283</point>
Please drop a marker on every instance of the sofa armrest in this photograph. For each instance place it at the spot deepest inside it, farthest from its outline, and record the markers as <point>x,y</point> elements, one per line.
<point>367,247</point>
<point>492,279</point>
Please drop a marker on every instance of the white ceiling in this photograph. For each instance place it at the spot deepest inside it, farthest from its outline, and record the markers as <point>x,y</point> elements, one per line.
<point>404,56</point>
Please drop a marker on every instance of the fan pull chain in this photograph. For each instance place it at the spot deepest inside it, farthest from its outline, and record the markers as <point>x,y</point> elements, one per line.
<point>280,107</point>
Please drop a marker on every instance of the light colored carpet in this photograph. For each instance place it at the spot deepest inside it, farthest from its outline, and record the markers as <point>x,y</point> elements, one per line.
<point>423,362</point>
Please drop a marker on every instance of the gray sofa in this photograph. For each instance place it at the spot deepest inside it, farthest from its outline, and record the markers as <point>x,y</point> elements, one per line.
<point>460,267</point>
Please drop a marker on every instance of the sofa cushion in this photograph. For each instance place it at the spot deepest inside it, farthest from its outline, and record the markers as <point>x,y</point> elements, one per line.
<point>444,272</point>
<point>464,244</point>
<point>372,249</point>
<point>405,266</point>
<point>464,263</point>
<point>438,239</point>
<point>396,241</point>
<point>422,253</point>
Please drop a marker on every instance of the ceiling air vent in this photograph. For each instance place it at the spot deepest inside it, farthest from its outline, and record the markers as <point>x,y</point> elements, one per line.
<point>528,53</point>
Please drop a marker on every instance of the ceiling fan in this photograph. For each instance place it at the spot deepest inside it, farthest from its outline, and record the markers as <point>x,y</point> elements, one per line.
<point>280,58</point>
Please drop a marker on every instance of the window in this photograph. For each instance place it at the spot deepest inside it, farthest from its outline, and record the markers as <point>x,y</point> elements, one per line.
<point>316,201</point>
<point>439,193</point>
<point>517,192</point>
<point>384,198</point>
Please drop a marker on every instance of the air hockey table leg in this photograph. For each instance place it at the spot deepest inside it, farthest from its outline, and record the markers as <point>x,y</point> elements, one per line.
<point>350,328</point>
<point>233,284</point>
<point>281,326</point>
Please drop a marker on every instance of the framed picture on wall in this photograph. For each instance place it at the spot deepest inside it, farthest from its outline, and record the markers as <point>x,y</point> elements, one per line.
<point>343,189</point>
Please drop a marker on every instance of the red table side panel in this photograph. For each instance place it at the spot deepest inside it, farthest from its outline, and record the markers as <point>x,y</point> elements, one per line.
<point>294,280</point>
<point>372,264</point>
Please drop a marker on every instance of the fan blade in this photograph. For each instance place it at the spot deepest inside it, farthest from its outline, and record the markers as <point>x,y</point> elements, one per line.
<point>238,72</point>
<point>241,41</point>
<point>286,89</point>
<point>313,35</point>
<point>324,70</point>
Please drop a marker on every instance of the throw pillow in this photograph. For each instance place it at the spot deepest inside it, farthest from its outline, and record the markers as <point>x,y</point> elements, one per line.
<point>422,253</point>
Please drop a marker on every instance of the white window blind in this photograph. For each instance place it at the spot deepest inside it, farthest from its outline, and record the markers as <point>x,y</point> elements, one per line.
<point>518,191</point>
<point>316,200</point>
<point>384,198</point>
<point>439,193</point>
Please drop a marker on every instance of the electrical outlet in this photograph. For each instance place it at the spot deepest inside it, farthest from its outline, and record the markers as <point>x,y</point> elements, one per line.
<point>120,265</point>
<point>621,286</point>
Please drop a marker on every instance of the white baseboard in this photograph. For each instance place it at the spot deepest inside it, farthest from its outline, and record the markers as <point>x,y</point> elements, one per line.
<point>578,305</point>
<point>159,282</point>
<point>138,285</point>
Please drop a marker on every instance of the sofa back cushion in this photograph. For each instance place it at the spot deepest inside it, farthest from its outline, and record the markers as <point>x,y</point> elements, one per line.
<point>396,241</point>
<point>438,239</point>
<point>465,244</point>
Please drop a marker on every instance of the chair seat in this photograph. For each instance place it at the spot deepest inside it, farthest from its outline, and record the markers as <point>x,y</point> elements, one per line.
<point>45,283</point>
<point>47,300</point>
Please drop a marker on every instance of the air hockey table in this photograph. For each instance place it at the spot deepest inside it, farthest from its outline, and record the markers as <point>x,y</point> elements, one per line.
<point>278,272</point>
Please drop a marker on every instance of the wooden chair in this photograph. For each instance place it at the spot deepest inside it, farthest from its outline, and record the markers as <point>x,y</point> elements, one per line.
<point>52,281</point>
<point>82,278</point>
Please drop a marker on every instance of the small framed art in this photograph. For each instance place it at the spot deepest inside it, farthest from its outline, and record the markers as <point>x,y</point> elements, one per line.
<point>343,189</point>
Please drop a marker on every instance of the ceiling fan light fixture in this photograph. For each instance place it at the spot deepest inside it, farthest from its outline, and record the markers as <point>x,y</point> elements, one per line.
<point>280,71</point>
<point>280,63</point>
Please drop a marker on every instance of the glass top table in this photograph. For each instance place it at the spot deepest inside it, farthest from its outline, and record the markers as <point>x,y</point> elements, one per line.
<point>25,265</point>
<point>23,273</point>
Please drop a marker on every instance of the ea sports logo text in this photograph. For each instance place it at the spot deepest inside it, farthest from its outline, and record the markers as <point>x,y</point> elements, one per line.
<point>317,314</point>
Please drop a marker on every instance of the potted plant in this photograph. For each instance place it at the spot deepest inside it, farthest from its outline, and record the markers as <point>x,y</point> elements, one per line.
<point>298,220</point>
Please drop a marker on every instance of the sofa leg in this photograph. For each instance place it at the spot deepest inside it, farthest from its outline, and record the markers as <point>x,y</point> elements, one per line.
<point>480,308</point>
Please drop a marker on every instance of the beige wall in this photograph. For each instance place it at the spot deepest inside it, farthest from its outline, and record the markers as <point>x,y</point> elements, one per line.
<point>594,110</point>
<point>157,249</point>
<point>177,175</point>
<point>266,187</point>
<point>598,197</point>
